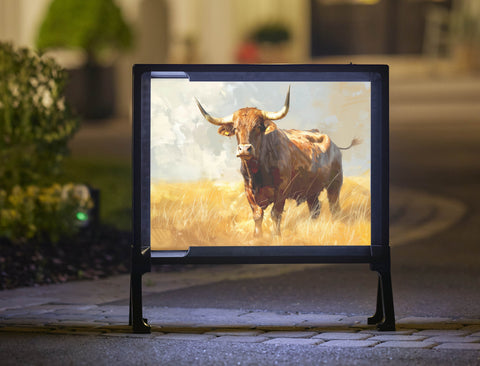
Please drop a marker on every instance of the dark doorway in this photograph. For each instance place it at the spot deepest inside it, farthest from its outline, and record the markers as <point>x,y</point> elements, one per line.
<point>346,27</point>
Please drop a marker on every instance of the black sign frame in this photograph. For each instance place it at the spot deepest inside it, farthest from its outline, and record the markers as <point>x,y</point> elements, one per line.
<point>377,254</point>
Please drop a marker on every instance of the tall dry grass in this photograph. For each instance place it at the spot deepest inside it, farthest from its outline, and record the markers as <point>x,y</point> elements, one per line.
<point>205,213</point>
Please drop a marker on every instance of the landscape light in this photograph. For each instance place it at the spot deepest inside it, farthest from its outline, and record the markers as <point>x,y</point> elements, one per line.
<point>82,216</point>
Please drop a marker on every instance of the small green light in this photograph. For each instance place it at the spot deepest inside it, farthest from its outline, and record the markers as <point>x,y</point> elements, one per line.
<point>82,216</point>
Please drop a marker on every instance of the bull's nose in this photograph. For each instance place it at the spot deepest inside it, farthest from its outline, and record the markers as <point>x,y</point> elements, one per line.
<point>244,150</point>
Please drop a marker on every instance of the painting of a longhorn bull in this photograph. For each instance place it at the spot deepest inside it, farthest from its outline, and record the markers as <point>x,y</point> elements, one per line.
<point>279,164</point>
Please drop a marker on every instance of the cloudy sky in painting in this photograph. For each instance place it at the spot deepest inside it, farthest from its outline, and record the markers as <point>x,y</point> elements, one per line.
<point>185,147</point>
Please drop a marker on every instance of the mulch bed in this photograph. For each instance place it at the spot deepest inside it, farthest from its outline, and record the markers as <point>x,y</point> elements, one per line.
<point>91,254</point>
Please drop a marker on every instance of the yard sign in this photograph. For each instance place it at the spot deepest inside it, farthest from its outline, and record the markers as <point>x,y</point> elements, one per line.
<point>261,164</point>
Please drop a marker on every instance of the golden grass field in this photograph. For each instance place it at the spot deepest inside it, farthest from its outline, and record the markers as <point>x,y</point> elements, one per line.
<point>208,213</point>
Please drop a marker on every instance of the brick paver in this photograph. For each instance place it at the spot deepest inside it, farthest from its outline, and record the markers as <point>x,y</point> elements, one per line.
<point>291,334</point>
<point>428,323</point>
<point>453,339</point>
<point>465,346</point>
<point>395,337</point>
<point>443,332</point>
<point>294,341</point>
<point>407,344</point>
<point>349,343</point>
<point>397,332</point>
<point>343,336</point>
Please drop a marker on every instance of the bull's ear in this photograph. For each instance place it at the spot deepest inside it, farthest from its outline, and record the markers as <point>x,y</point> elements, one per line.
<point>269,127</point>
<point>227,129</point>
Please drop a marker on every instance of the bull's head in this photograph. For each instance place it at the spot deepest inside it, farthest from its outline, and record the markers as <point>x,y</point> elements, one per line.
<point>249,125</point>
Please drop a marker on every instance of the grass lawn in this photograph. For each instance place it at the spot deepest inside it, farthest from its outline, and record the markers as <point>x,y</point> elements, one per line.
<point>113,178</point>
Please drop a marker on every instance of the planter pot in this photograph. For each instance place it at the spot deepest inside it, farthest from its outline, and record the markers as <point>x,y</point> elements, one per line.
<point>274,53</point>
<point>90,91</point>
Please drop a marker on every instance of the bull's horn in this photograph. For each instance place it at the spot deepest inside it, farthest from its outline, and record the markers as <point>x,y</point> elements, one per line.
<point>213,120</point>
<point>282,113</point>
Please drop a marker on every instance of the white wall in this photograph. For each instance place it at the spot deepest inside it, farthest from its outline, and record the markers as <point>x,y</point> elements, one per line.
<point>20,19</point>
<point>220,26</point>
<point>175,31</point>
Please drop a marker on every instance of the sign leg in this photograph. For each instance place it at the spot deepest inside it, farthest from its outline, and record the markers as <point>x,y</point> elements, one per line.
<point>378,316</point>
<point>384,315</point>
<point>136,319</point>
<point>387,299</point>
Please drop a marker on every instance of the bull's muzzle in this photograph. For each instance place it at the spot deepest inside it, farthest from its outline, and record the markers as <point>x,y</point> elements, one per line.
<point>245,151</point>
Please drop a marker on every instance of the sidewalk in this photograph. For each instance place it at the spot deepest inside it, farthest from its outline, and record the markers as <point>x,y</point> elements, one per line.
<point>86,322</point>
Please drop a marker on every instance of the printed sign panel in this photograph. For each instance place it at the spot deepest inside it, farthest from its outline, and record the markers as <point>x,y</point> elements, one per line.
<point>259,163</point>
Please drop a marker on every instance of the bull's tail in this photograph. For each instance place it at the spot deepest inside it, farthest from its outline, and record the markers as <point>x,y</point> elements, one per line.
<point>355,141</point>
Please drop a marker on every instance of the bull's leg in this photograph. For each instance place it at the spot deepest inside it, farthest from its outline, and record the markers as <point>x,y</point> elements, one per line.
<point>334,201</point>
<point>314,205</point>
<point>333,194</point>
<point>258,218</point>
<point>256,210</point>
<point>277,211</point>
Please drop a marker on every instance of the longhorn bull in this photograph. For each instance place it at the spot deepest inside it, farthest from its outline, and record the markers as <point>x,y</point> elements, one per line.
<point>277,164</point>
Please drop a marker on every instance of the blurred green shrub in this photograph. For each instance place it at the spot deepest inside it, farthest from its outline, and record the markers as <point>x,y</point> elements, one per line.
<point>35,122</point>
<point>95,26</point>
<point>273,33</point>
<point>43,214</point>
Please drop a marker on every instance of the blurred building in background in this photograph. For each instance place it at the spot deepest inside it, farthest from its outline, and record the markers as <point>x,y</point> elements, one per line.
<point>301,31</point>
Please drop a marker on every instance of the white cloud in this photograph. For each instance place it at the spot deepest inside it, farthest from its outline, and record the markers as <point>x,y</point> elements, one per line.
<point>186,147</point>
